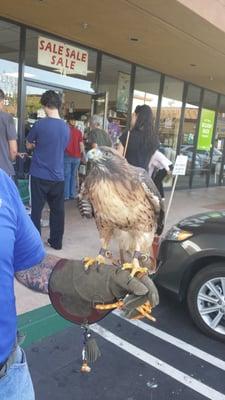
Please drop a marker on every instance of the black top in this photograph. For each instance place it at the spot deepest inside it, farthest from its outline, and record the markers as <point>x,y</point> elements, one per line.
<point>136,153</point>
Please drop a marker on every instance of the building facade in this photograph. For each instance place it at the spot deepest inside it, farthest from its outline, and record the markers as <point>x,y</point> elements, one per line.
<point>189,119</point>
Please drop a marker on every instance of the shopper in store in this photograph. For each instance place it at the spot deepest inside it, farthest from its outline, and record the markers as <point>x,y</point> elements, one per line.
<point>98,136</point>
<point>48,138</point>
<point>8,136</point>
<point>72,157</point>
<point>139,144</point>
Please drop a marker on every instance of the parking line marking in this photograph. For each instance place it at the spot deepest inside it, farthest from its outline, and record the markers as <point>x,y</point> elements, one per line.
<point>160,365</point>
<point>195,351</point>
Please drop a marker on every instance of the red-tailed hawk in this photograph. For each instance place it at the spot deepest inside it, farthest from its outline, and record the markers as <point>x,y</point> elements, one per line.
<point>126,204</point>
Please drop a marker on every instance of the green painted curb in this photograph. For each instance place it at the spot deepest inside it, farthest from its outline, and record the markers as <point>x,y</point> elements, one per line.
<point>40,323</point>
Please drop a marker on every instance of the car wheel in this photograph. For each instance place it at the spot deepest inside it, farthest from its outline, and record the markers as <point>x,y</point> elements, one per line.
<point>206,300</point>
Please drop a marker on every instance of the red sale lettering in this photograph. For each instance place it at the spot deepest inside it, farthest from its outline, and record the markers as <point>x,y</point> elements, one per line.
<point>67,52</point>
<point>54,49</point>
<point>60,62</point>
<point>84,57</point>
<point>72,65</point>
<point>60,51</point>
<point>42,42</point>
<point>53,59</point>
<point>73,54</point>
<point>48,47</point>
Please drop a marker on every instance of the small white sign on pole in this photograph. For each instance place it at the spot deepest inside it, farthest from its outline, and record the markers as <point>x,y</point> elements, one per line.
<point>180,165</point>
<point>178,169</point>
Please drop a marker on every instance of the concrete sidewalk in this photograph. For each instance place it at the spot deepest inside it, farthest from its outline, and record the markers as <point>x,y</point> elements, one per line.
<point>81,236</point>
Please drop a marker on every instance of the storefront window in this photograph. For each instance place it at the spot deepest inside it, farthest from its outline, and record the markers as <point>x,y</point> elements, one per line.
<point>204,140</point>
<point>189,131</point>
<point>115,79</point>
<point>170,116</point>
<point>59,63</point>
<point>146,89</point>
<point>219,148</point>
<point>9,56</point>
<point>170,119</point>
<point>66,68</point>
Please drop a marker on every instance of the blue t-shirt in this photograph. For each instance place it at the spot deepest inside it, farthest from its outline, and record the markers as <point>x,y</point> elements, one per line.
<point>51,136</point>
<point>20,248</point>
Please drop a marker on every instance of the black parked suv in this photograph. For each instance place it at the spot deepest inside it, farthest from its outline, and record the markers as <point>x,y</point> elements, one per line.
<point>191,262</point>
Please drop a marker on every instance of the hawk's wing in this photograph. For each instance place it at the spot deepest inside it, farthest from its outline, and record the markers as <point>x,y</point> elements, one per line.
<point>153,196</point>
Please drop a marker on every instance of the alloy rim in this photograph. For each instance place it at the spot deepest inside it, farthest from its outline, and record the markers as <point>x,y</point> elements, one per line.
<point>211,304</point>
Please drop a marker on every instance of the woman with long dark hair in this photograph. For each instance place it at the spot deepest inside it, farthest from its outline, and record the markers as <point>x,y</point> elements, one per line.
<point>142,141</point>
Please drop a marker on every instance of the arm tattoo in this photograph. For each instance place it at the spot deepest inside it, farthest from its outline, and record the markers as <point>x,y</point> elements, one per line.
<point>37,277</point>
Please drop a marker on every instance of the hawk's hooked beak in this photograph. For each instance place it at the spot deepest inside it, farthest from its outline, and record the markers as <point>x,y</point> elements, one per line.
<point>94,154</point>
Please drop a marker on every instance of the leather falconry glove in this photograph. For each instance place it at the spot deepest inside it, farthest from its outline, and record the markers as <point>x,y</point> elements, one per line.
<point>85,297</point>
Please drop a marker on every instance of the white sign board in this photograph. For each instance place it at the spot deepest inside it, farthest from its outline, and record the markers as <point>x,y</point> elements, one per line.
<point>180,165</point>
<point>61,56</point>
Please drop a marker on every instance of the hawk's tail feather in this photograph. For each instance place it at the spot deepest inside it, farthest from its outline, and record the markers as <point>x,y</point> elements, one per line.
<point>85,208</point>
<point>160,221</point>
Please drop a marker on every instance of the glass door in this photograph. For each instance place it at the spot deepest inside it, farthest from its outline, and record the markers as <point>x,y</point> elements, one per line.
<point>99,106</point>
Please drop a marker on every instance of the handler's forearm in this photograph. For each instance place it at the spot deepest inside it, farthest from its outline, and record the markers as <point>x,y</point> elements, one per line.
<point>37,277</point>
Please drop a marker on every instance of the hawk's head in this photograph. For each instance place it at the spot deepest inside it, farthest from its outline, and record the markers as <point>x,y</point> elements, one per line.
<point>106,160</point>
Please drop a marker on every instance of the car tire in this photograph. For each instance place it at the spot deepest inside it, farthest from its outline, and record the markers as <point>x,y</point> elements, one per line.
<point>206,300</point>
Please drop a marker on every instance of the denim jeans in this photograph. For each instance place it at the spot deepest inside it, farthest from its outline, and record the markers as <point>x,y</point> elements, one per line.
<point>71,165</point>
<point>17,384</point>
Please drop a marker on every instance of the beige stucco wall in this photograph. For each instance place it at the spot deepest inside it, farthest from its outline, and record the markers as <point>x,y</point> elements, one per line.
<point>211,10</point>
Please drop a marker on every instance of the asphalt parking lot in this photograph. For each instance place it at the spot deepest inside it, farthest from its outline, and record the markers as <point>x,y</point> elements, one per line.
<point>166,360</point>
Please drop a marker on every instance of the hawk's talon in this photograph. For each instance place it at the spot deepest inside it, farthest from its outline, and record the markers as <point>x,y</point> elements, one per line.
<point>145,312</point>
<point>89,261</point>
<point>118,304</point>
<point>134,269</point>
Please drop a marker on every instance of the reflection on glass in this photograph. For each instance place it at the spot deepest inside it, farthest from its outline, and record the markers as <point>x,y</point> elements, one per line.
<point>204,140</point>
<point>74,104</point>
<point>33,108</point>
<point>188,133</point>
<point>9,55</point>
<point>115,80</point>
<point>146,89</point>
<point>170,116</point>
<point>53,78</point>
<point>170,119</point>
<point>217,168</point>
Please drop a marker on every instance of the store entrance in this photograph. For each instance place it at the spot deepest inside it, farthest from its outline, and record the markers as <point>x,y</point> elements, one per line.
<point>77,104</point>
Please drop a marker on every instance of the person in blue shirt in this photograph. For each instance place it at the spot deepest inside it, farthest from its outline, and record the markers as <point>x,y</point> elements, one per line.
<point>48,139</point>
<point>20,249</point>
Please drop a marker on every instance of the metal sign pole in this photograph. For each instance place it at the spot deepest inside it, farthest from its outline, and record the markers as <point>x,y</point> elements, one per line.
<point>171,197</point>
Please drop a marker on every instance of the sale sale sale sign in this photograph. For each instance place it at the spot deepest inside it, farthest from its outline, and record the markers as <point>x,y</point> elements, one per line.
<point>58,55</point>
